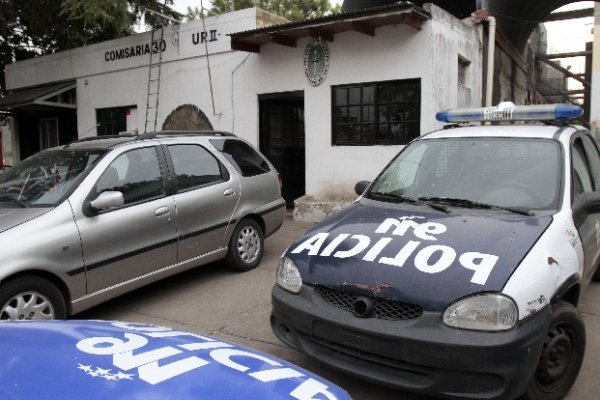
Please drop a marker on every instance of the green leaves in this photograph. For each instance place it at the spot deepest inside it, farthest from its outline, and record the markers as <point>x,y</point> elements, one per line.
<point>293,10</point>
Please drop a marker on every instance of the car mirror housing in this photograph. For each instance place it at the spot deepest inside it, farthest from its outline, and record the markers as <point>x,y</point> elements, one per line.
<point>107,200</point>
<point>361,186</point>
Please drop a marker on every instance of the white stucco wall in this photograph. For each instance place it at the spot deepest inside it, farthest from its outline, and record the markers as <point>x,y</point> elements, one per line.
<point>238,78</point>
<point>395,52</point>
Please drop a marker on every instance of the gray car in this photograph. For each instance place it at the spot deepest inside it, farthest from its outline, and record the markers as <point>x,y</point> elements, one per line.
<point>89,221</point>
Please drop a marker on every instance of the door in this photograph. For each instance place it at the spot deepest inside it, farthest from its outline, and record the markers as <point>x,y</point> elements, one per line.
<point>585,172</point>
<point>138,238</point>
<point>282,140</point>
<point>207,196</point>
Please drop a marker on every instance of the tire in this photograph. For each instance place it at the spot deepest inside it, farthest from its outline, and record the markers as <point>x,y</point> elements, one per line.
<point>562,355</point>
<point>31,297</point>
<point>596,276</point>
<point>246,246</point>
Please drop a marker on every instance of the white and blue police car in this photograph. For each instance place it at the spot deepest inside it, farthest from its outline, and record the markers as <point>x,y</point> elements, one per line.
<point>458,270</point>
<point>100,360</point>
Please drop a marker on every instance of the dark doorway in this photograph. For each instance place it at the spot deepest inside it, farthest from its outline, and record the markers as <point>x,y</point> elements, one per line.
<point>282,139</point>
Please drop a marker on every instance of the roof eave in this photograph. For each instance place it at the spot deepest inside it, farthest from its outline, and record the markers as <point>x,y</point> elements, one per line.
<point>364,21</point>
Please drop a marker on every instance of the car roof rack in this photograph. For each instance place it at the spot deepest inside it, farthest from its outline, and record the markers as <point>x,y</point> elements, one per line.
<point>152,135</point>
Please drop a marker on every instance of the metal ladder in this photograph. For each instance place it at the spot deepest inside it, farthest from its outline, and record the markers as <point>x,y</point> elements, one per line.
<point>154,68</point>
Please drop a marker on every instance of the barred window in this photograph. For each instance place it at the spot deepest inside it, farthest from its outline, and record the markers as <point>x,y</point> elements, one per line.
<point>376,113</point>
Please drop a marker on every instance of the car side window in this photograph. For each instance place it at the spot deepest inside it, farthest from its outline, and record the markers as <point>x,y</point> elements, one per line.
<point>242,156</point>
<point>195,166</point>
<point>136,174</point>
<point>582,180</point>
<point>593,157</point>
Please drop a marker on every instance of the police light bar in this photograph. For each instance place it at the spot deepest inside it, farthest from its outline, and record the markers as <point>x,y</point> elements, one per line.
<point>507,111</point>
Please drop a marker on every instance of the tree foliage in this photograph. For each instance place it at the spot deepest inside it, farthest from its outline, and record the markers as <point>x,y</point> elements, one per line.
<point>35,27</point>
<point>293,10</point>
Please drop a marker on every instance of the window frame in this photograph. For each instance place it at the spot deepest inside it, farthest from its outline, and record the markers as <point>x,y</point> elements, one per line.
<point>161,170</point>
<point>376,124</point>
<point>117,124</point>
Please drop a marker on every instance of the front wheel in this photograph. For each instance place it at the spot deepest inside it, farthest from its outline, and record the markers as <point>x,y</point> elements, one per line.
<point>562,355</point>
<point>246,246</point>
<point>31,297</point>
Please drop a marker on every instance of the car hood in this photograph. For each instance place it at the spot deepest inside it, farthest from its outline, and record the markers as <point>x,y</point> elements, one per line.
<point>116,360</point>
<point>11,217</point>
<point>414,254</point>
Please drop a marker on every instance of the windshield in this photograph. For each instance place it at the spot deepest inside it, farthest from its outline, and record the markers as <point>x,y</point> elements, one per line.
<point>503,172</point>
<point>45,178</point>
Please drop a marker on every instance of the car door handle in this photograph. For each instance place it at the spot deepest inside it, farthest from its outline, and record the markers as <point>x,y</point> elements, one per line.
<point>161,212</point>
<point>228,193</point>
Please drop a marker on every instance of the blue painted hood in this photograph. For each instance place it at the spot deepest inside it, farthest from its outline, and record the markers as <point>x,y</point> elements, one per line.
<point>414,254</point>
<point>113,360</point>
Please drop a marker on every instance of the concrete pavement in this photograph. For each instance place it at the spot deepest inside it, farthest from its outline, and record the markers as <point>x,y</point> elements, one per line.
<point>211,300</point>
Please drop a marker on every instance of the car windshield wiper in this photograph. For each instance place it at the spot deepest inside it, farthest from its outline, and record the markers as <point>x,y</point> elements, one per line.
<point>474,204</point>
<point>404,199</point>
<point>12,200</point>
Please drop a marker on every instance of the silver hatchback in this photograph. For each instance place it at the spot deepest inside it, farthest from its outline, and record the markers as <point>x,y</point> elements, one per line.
<point>89,221</point>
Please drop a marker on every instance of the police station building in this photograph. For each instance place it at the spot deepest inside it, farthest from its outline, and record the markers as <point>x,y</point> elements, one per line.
<point>329,101</point>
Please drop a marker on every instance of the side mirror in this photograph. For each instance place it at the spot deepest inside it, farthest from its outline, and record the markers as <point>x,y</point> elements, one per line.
<point>592,201</point>
<point>361,186</point>
<point>107,200</point>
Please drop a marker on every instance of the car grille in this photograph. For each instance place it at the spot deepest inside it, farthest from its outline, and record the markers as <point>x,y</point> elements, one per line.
<point>382,309</point>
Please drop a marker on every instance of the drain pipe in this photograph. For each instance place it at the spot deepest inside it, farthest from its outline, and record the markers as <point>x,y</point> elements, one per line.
<point>490,60</point>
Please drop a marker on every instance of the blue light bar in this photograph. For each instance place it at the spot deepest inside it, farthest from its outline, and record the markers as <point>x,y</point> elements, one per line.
<point>507,111</point>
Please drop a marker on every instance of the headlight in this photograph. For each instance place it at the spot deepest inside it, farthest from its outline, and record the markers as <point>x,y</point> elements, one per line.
<point>288,276</point>
<point>485,312</point>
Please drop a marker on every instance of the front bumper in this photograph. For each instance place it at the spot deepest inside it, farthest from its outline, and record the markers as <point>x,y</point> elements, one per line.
<point>420,355</point>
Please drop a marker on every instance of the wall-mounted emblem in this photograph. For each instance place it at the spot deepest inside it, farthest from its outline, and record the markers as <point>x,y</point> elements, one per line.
<point>316,61</point>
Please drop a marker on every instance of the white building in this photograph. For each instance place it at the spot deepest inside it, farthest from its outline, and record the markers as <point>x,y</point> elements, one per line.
<point>330,101</point>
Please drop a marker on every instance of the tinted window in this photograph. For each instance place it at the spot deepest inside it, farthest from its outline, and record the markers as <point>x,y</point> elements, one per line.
<point>194,166</point>
<point>136,174</point>
<point>242,156</point>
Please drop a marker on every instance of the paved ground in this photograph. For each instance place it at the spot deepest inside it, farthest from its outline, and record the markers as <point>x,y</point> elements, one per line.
<point>236,307</point>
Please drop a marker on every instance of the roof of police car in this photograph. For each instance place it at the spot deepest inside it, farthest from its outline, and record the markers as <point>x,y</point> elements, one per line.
<point>506,131</point>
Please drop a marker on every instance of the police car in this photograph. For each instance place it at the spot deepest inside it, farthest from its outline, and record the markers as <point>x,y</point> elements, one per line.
<point>457,272</point>
<point>118,360</point>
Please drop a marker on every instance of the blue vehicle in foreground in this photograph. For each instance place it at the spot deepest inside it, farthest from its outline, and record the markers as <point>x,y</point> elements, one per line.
<point>119,360</point>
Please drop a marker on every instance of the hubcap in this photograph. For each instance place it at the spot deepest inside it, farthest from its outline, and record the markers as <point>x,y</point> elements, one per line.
<point>248,244</point>
<point>27,305</point>
<point>556,357</point>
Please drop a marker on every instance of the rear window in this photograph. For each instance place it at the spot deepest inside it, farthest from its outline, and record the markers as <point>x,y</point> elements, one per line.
<point>242,156</point>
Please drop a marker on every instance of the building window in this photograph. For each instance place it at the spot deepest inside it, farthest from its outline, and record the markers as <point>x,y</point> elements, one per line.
<point>376,113</point>
<point>112,121</point>
<point>463,67</point>
<point>48,133</point>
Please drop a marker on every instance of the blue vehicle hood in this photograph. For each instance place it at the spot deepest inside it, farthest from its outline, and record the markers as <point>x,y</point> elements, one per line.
<point>413,254</point>
<point>112,360</point>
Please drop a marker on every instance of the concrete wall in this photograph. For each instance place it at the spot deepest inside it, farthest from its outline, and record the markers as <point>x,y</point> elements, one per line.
<point>395,52</point>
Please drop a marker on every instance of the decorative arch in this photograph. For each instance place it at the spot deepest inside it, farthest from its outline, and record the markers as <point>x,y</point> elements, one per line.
<point>187,117</point>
